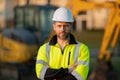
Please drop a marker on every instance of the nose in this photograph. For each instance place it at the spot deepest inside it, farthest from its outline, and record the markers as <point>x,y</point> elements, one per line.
<point>63,28</point>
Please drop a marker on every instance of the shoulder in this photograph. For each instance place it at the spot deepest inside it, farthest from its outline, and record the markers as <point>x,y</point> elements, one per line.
<point>82,45</point>
<point>43,47</point>
<point>84,50</point>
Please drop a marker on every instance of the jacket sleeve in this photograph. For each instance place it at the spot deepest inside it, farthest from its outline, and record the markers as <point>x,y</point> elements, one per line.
<point>41,62</point>
<point>81,71</point>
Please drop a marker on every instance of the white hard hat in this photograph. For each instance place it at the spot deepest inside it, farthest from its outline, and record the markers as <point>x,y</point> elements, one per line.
<point>63,14</point>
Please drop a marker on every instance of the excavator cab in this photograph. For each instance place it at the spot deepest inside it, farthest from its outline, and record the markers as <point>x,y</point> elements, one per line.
<point>35,19</point>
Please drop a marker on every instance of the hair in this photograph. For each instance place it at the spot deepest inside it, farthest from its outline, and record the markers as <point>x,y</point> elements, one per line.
<point>71,23</point>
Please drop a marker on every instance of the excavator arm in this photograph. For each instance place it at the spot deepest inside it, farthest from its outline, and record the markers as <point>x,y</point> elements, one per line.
<point>81,5</point>
<point>111,35</point>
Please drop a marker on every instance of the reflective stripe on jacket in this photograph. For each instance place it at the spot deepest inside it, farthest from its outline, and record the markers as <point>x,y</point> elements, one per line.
<point>53,57</point>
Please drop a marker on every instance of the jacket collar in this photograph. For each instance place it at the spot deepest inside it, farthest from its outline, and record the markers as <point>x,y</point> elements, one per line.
<point>53,40</point>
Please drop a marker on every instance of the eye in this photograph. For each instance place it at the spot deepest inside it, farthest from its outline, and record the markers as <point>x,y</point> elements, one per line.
<point>59,26</point>
<point>66,26</point>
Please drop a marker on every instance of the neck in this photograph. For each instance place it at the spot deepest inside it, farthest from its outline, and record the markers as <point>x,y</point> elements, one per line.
<point>63,43</point>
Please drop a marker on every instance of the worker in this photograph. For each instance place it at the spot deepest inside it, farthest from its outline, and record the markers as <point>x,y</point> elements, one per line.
<point>62,58</point>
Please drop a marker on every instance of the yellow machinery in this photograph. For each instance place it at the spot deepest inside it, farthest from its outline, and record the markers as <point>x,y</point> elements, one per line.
<point>16,52</point>
<point>111,33</point>
<point>20,44</point>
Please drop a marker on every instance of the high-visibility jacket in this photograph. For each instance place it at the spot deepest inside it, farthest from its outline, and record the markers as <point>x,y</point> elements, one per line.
<point>53,63</point>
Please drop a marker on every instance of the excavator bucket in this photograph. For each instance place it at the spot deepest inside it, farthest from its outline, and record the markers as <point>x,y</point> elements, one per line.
<point>103,71</point>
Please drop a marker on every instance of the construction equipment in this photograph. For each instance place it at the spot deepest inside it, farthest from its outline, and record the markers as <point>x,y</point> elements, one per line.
<point>104,70</point>
<point>23,40</point>
<point>19,45</point>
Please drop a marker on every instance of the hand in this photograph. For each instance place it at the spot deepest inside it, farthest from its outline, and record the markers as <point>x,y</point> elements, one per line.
<point>72,67</point>
<point>46,65</point>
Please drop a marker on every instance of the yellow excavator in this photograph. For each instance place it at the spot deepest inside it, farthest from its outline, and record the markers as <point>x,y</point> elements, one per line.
<point>111,34</point>
<point>19,45</point>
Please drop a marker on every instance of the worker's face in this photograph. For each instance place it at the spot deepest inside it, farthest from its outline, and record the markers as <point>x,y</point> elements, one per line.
<point>62,29</point>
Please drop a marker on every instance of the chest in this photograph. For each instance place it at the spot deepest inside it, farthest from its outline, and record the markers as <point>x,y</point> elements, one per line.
<point>62,58</point>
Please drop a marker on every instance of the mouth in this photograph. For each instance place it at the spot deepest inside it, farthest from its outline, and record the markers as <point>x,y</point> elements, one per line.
<point>63,32</point>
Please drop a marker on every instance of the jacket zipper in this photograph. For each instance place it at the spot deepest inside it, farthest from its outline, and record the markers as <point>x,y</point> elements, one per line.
<point>69,58</point>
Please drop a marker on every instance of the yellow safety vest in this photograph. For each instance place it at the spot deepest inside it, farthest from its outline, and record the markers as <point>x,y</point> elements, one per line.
<point>55,58</point>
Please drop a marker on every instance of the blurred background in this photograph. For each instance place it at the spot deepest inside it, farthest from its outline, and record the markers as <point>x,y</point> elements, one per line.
<point>26,24</point>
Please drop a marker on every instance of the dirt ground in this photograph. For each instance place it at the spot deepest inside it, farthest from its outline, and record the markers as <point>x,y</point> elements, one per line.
<point>31,76</point>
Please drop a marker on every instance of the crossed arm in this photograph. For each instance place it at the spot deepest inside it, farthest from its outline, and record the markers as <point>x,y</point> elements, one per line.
<point>60,74</point>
